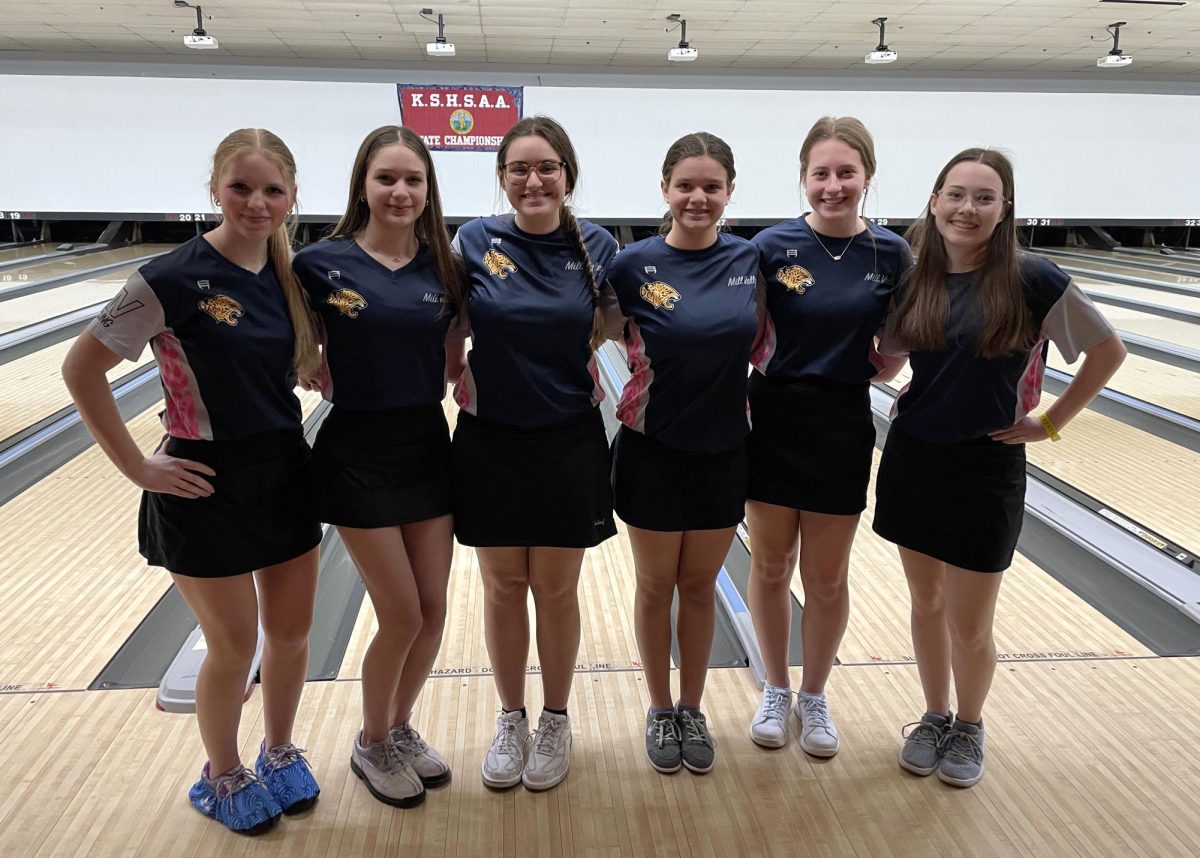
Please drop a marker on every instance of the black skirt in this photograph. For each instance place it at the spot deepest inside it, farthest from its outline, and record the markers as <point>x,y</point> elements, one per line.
<point>656,487</point>
<point>532,487</point>
<point>259,514</point>
<point>961,502</point>
<point>383,468</point>
<point>811,444</point>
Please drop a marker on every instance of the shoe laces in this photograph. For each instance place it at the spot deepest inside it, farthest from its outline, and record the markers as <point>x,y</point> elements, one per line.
<point>282,756</point>
<point>922,733</point>
<point>695,730</point>
<point>545,740</point>
<point>408,738</point>
<point>775,703</point>
<point>816,712</point>
<point>963,746</point>
<point>664,727</point>
<point>506,737</point>
<point>229,783</point>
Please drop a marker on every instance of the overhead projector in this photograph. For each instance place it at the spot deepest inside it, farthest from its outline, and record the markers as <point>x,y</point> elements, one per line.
<point>201,41</point>
<point>682,55</point>
<point>440,49</point>
<point>1112,61</point>
<point>877,57</point>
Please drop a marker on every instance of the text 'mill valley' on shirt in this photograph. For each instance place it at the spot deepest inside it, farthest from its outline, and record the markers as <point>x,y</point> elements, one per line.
<point>222,338</point>
<point>529,316</point>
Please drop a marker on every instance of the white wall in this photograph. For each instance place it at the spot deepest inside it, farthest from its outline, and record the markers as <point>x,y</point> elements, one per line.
<point>128,144</point>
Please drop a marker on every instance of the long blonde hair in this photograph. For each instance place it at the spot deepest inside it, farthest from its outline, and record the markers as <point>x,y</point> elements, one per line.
<point>305,358</point>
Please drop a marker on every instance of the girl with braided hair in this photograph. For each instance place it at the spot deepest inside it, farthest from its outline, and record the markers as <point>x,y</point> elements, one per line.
<point>530,459</point>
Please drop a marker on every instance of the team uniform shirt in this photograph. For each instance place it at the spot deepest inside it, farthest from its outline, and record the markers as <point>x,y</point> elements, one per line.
<point>529,316</point>
<point>221,335</point>
<point>955,394</point>
<point>692,319</point>
<point>385,331</point>
<point>822,314</point>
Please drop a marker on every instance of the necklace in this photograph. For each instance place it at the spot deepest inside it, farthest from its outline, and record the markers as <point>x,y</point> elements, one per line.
<point>395,259</point>
<point>837,258</point>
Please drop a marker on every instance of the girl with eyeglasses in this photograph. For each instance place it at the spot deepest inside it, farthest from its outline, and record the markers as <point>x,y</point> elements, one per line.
<point>691,301</point>
<point>829,276</point>
<point>974,319</point>
<point>385,287</point>
<point>531,460</point>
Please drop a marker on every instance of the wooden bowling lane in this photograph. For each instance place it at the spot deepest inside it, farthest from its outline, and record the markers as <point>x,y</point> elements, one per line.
<point>1173,331</point>
<point>72,583</point>
<point>1172,271</point>
<point>1083,758</point>
<point>32,387</point>
<point>12,254</point>
<point>1149,380</point>
<point>1147,294</point>
<point>78,264</point>
<point>29,309</point>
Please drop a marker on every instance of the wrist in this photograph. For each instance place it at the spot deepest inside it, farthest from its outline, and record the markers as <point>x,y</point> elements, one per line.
<point>1048,425</point>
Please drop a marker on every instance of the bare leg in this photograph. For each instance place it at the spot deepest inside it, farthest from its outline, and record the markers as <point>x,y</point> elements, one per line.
<point>286,595</point>
<point>700,560</point>
<point>825,542</point>
<point>656,558</point>
<point>554,579</point>
<point>506,619</point>
<point>931,637</point>
<point>970,614</point>
<point>774,549</point>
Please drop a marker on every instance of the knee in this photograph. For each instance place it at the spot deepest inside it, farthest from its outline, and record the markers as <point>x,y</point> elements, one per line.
<point>697,595</point>
<point>928,603</point>
<point>401,620</point>
<point>971,636</point>
<point>506,590</point>
<point>655,595</point>
<point>290,631</point>
<point>557,594</point>
<point>433,617</point>
<point>825,589</point>
<point>774,569</point>
<point>232,648</point>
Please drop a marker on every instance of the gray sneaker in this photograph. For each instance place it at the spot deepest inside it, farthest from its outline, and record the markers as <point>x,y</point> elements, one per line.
<point>387,773</point>
<point>698,750</point>
<point>922,750</point>
<point>663,748</point>
<point>428,763</point>
<point>962,754</point>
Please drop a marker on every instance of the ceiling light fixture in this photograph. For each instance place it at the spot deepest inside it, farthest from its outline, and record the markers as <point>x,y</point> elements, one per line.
<point>881,54</point>
<point>439,47</point>
<point>198,38</point>
<point>1114,58</point>
<point>683,53</point>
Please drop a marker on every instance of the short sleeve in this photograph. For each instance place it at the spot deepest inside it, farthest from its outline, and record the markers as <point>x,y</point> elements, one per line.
<point>130,320</point>
<point>1074,324</point>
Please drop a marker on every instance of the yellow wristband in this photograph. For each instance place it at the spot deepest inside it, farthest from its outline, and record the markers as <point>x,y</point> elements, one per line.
<point>1051,432</point>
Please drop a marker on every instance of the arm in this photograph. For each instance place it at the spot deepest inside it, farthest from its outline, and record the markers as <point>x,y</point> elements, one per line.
<point>889,365</point>
<point>1099,363</point>
<point>84,373</point>
<point>456,360</point>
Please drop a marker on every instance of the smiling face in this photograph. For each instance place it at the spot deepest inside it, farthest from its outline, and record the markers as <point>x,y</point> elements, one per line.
<point>535,199</point>
<point>254,196</point>
<point>834,182</point>
<point>697,192</point>
<point>396,187</point>
<point>967,209</point>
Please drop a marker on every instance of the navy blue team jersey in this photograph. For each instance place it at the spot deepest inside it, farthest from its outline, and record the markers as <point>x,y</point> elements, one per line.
<point>822,314</point>
<point>221,335</point>
<point>385,331</point>
<point>955,394</point>
<point>529,315</point>
<point>692,321</point>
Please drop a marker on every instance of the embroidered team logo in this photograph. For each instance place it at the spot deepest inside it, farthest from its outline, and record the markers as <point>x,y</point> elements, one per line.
<point>223,309</point>
<point>347,301</point>
<point>203,285</point>
<point>660,295</point>
<point>499,264</point>
<point>334,275</point>
<point>795,278</point>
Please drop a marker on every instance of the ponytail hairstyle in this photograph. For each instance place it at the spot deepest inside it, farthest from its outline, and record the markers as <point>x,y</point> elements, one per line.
<point>430,227</point>
<point>305,359</point>
<point>1007,321</point>
<point>845,129</point>
<point>695,145</point>
<point>553,133</point>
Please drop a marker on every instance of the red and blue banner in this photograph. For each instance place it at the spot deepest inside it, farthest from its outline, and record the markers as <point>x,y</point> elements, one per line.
<point>460,118</point>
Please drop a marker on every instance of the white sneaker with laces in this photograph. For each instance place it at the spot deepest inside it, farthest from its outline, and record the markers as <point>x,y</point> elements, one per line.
<point>426,761</point>
<point>387,773</point>
<point>818,733</point>
<point>769,727</point>
<point>550,752</point>
<point>505,759</point>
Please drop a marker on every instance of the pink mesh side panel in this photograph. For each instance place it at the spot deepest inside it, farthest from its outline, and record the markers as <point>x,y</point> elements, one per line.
<point>632,409</point>
<point>179,418</point>
<point>1029,389</point>
<point>464,392</point>
<point>764,349</point>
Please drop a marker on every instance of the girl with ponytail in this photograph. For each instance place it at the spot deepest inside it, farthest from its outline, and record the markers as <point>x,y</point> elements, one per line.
<point>531,462</point>
<point>224,508</point>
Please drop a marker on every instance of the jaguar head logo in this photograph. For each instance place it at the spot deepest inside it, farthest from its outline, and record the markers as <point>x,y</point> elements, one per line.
<point>660,295</point>
<point>348,302</point>
<point>795,278</point>
<point>499,264</point>
<point>223,309</point>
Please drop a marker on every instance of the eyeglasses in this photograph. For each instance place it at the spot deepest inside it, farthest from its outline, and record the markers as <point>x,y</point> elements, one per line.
<point>982,202</point>
<point>547,171</point>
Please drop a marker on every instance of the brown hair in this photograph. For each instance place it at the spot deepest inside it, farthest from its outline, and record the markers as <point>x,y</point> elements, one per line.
<point>695,145</point>
<point>848,130</point>
<point>305,358</point>
<point>1007,322</point>
<point>553,133</point>
<point>430,226</point>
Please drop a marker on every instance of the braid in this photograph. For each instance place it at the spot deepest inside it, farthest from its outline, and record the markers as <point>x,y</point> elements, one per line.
<point>571,227</point>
